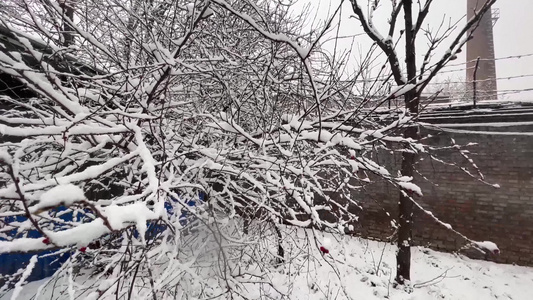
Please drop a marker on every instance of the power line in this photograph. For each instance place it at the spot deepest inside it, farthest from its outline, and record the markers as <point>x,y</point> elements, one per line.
<point>458,70</point>
<point>489,79</point>
<point>519,56</point>
<point>499,92</point>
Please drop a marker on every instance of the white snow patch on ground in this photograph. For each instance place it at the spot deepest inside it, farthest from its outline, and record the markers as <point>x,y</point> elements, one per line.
<point>361,269</point>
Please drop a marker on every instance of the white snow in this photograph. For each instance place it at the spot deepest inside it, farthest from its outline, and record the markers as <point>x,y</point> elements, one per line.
<point>411,187</point>
<point>303,52</point>
<point>447,225</point>
<point>89,173</point>
<point>67,195</point>
<point>405,179</point>
<point>488,245</point>
<point>5,157</point>
<point>119,217</point>
<point>25,275</point>
<point>403,89</point>
<point>191,9</point>
<point>361,269</point>
<point>60,130</point>
<point>23,245</point>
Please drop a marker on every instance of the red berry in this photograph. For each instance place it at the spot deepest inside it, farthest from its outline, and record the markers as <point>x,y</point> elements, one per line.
<point>324,250</point>
<point>46,241</point>
<point>83,249</point>
<point>352,157</point>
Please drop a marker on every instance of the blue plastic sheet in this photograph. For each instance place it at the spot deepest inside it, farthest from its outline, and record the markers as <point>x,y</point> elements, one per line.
<point>46,266</point>
<point>10,263</point>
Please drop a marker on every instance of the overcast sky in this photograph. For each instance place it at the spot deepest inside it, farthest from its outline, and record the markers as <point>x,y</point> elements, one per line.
<point>513,35</point>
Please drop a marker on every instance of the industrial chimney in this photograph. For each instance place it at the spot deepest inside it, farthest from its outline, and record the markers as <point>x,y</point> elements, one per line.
<point>481,46</point>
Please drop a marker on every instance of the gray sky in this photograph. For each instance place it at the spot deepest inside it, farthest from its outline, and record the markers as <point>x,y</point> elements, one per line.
<point>512,36</point>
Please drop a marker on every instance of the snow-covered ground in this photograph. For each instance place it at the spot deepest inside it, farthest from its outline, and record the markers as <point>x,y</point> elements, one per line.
<point>367,270</point>
<point>361,269</point>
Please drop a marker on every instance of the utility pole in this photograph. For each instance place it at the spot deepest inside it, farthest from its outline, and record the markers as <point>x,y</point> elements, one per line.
<point>474,83</point>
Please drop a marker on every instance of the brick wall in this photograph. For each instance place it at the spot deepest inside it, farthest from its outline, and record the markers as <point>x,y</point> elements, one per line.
<point>504,215</point>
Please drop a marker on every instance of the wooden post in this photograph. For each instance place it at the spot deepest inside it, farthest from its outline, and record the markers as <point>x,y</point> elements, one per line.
<point>474,83</point>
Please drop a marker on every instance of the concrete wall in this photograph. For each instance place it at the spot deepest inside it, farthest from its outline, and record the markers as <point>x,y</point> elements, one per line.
<point>504,215</point>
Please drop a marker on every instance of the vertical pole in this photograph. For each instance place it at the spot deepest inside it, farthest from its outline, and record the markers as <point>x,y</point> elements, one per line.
<point>474,83</point>
<point>68,15</point>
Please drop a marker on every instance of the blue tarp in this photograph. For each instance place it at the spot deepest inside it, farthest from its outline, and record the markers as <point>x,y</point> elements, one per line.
<point>47,266</point>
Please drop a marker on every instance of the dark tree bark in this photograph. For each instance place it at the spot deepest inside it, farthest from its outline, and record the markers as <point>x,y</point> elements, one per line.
<point>412,97</point>
<point>68,15</point>
<point>405,218</point>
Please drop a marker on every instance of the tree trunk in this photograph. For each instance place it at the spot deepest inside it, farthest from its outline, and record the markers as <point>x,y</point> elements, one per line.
<point>403,256</point>
<point>68,15</point>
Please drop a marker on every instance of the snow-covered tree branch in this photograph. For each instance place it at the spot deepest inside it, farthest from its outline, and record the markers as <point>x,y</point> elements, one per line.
<point>165,143</point>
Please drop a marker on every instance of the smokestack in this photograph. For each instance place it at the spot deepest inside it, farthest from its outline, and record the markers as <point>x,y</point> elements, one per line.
<point>482,46</point>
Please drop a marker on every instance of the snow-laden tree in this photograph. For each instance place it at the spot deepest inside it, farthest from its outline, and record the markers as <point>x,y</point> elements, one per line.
<point>128,111</point>
<point>413,77</point>
<point>136,108</point>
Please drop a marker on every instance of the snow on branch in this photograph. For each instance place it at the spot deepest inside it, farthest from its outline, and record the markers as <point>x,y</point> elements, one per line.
<point>201,126</point>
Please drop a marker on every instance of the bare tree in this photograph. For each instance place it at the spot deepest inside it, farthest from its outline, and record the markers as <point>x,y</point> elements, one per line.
<point>412,83</point>
<point>134,109</point>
